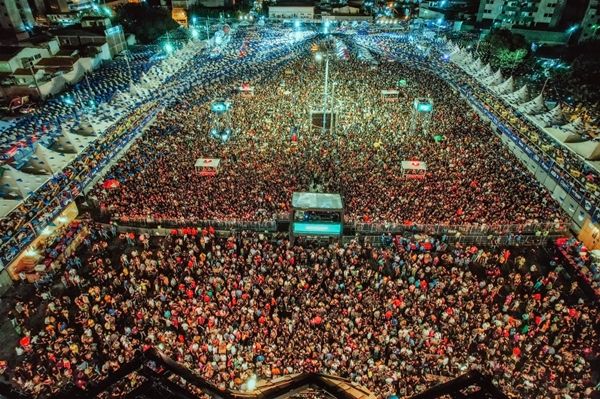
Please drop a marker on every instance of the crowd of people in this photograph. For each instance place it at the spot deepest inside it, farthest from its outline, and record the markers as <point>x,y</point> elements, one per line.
<point>394,319</point>
<point>274,151</point>
<point>22,225</point>
<point>188,68</point>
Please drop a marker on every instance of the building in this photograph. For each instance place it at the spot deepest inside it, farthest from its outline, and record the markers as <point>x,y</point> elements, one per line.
<point>65,6</point>
<point>537,14</point>
<point>590,22</point>
<point>292,11</point>
<point>96,37</point>
<point>16,15</point>
<point>13,58</point>
<point>183,4</point>
<point>179,15</point>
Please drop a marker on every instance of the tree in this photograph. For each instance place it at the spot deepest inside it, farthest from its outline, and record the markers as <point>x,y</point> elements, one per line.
<point>508,51</point>
<point>145,22</point>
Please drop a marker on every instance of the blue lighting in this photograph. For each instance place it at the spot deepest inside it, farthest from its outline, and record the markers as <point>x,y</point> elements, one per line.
<point>195,33</point>
<point>219,107</point>
<point>169,48</point>
<point>297,24</point>
<point>317,228</point>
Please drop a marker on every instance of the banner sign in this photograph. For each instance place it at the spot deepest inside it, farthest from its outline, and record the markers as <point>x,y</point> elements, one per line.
<point>324,229</point>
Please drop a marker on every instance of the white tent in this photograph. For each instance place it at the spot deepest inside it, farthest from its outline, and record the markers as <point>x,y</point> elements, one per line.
<point>8,184</point>
<point>575,126</point>
<point>457,56</point>
<point>7,206</point>
<point>476,66</point>
<point>533,107</point>
<point>39,162</point>
<point>485,72</point>
<point>493,80</point>
<point>554,117</point>
<point>518,97</point>
<point>563,136</point>
<point>589,150</point>
<point>20,182</point>
<point>55,161</point>
<point>207,166</point>
<point>71,143</point>
<point>84,129</point>
<point>508,86</point>
<point>466,61</point>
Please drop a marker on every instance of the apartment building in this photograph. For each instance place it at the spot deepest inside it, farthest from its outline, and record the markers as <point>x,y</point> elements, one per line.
<point>538,14</point>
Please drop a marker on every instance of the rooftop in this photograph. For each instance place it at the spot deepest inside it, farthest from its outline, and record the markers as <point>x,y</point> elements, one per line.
<point>56,62</point>
<point>8,52</point>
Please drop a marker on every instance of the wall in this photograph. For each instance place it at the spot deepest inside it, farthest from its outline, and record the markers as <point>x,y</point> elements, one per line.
<point>291,12</point>
<point>11,65</point>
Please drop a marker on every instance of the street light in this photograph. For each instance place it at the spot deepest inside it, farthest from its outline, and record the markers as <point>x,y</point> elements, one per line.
<point>570,31</point>
<point>319,57</point>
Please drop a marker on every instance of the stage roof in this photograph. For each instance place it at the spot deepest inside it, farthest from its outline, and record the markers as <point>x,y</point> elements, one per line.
<point>302,200</point>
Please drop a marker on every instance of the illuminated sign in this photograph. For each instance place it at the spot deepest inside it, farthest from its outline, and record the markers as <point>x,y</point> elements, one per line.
<point>424,107</point>
<point>317,228</point>
<point>220,107</point>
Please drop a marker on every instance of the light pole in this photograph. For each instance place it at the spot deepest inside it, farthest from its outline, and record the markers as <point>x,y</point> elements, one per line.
<point>570,31</point>
<point>319,58</point>
<point>128,67</point>
<point>37,86</point>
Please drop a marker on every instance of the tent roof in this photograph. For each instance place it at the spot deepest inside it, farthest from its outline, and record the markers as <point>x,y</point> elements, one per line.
<point>414,165</point>
<point>304,200</point>
<point>589,150</point>
<point>208,163</point>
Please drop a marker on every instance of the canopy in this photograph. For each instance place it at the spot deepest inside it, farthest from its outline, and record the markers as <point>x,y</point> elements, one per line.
<point>533,107</point>
<point>304,200</point>
<point>575,126</point>
<point>505,87</point>
<point>589,150</point>
<point>563,136</point>
<point>554,117</point>
<point>485,72</point>
<point>414,165</point>
<point>207,163</point>
<point>494,79</point>
<point>518,97</point>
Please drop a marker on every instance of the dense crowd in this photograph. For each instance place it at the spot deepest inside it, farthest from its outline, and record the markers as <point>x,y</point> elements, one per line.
<point>17,229</point>
<point>274,151</point>
<point>394,319</point>
<point>190,68</point>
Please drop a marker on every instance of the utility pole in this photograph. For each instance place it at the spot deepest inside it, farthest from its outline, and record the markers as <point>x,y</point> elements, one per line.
<point>331,110</point>
<point>325,88</point>
<point>37,86</point>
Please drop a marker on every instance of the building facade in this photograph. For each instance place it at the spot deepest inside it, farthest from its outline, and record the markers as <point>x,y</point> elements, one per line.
<point>16,15</point>
<point>538,14</point>
<point>590,22</point>
<point>291,12</point>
